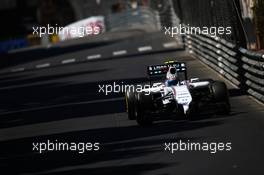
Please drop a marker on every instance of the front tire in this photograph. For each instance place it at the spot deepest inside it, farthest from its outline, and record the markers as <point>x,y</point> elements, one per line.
<point>130,104</point>
<point>179,112</point>
<point>193,111</point>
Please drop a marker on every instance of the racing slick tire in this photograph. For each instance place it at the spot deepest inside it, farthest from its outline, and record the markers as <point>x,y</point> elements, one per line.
<point>143,102</point>
<point>130,104</point>
<point>179,111</point>
<point>220,94</point>
<point>193,111</point>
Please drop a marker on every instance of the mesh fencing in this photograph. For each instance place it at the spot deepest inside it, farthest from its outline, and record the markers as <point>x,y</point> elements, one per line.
<point>204,13</point>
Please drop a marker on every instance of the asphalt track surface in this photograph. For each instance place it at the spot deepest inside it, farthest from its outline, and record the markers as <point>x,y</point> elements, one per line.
<point>61,102</point>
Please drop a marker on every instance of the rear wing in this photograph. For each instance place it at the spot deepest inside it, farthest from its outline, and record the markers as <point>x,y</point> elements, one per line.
<point>155,71</point>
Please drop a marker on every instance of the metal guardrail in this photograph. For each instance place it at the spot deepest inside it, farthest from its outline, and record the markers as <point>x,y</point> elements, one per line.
<point>243,68</point>
<point>253,64</point>
<point>142,18</point>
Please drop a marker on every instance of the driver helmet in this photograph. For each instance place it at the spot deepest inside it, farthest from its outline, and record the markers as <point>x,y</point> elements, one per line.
<point>172,77</point>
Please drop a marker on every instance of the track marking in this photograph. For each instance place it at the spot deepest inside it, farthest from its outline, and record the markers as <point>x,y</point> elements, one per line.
<point>39,66</point>
<point>119,52</point>
<point>18,69</point>
<point>144,48</point>
<point>61,105</point>
<point>13,121</point>
<point>68,61</point>
<point>92,57</point>
<point>170,44</point>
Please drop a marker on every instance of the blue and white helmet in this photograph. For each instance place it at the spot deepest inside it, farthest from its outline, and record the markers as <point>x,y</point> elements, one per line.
<point>172,73</point>
<point>172,76</point>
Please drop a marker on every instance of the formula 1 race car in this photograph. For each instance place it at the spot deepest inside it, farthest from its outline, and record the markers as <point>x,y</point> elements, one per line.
<point>176,96</point>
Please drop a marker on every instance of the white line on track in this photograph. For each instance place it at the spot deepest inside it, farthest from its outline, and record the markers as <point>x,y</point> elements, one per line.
<point>39,66</point>
<point>61,105</point>
<point>170,44</point>
<point>93,57</point>
<point>119,52</point>
<point>68,61</point>
<point>13,121</point>
<point>144,48</point>
<point>18,69</point>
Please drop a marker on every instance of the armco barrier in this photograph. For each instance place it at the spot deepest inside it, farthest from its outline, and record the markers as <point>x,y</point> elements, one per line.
<point>243,68</point>
<point>253,65</point>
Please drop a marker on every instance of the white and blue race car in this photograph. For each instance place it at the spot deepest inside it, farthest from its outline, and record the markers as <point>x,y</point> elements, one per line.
<point>177,96</point>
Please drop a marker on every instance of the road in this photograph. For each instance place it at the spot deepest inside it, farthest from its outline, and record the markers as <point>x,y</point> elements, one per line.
<point>57,98</point>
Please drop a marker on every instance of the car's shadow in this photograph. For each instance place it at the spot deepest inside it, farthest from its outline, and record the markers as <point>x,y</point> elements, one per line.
<point>116,143</point>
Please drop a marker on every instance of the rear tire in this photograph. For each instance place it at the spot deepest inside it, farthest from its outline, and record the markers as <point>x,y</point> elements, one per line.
<point>141,105</point>
<point>220,91</point>
<point>220,94</point>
